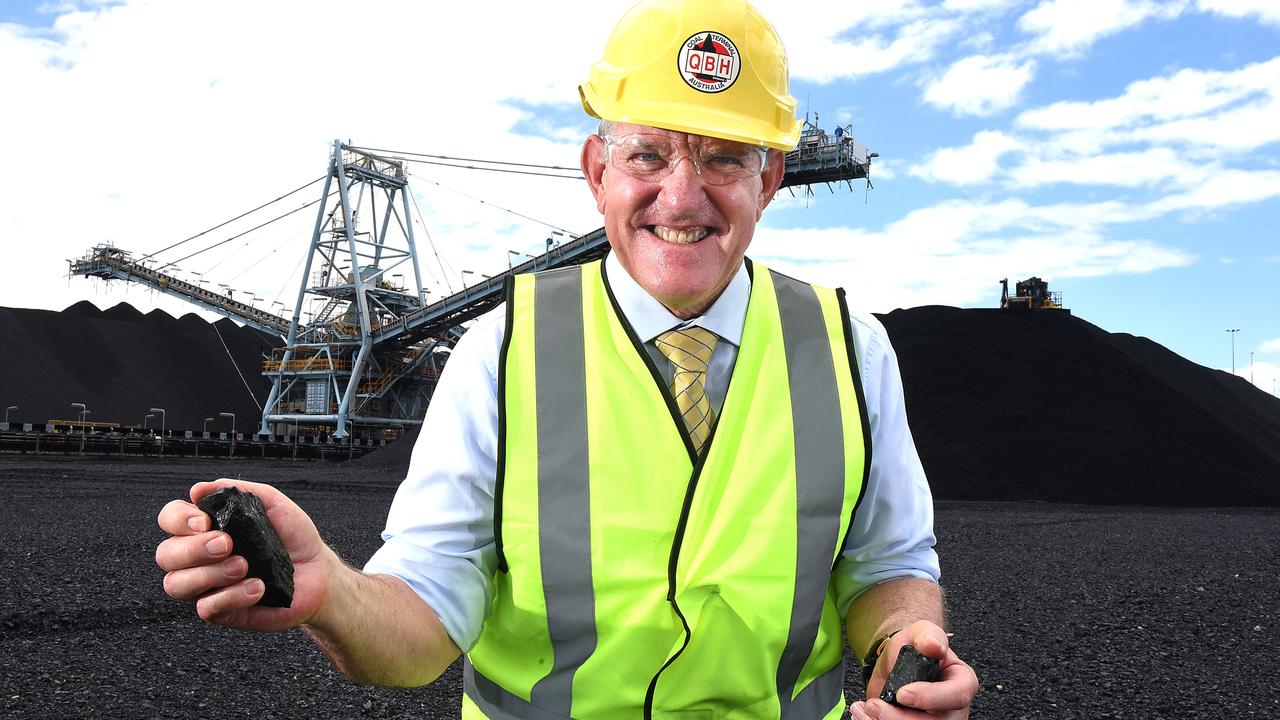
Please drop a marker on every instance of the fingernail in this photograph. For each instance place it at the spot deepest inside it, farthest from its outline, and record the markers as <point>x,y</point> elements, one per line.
<point>197,523</point>
<point>217,546</point>
<point>253,587</point>
<point>906,697</point>
<point>856,712</point>
<point>233,568</point>
<point>871,710</point>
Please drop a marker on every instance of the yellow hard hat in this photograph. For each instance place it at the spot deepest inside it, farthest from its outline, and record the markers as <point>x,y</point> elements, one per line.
<point>708,67</point>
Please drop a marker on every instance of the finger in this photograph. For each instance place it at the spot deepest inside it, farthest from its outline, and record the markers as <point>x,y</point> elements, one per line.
<point>222,606</point>
<point>858,711</point>
<point>180,553</point>
<point>179,517</point>
<point>191,583</point>
<point>953,691</point>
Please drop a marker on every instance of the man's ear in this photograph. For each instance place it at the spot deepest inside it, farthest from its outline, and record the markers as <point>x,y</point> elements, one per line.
<point>592,162</point>
<point>771,179</point>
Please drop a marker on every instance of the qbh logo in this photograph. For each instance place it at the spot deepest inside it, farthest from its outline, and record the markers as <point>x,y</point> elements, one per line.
<point>709,62</point>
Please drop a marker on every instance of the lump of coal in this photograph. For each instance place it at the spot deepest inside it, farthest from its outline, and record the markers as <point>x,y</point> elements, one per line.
<point>242,516</point>
<point>910,667</point>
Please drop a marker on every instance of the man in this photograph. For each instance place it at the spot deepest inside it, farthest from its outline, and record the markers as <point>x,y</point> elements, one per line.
<point>645,487</point>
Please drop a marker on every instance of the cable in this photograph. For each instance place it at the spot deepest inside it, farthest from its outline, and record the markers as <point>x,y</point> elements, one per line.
<point>460,159</point>
<point>215,227</point>
<point>501,170</point>
<point>256,227</point>
<point>443,275</point>
<point>237,367</point>
<point>499,207</point>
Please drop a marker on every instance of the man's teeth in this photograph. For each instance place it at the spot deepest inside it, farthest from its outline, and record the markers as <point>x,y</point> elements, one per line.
<point>680,237</point>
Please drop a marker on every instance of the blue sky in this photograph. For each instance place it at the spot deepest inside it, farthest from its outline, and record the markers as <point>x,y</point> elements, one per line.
<point>1125,150</point>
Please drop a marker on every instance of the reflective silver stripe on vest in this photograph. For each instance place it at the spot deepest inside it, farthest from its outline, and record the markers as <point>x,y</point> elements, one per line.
<point>819,435</point>
<point>564,507</point>
<point>496,703</point>
<point>818,697</point>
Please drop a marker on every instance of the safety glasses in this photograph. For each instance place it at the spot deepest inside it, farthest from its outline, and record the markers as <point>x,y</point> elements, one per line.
<point>652,157</point>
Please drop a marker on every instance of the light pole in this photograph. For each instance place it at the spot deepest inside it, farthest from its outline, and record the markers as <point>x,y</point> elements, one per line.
<point>6,413</point>
<point>232,450</point>
<point>1233,349</point>
<point>144,421</point>
<point>1250,367</point>
<point>162,418</point>
<point>206,424</point>
<point>464,279</point>
<point>82,414</point>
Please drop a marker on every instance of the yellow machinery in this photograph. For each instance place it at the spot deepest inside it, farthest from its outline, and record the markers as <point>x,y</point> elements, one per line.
<point>1030,294</point>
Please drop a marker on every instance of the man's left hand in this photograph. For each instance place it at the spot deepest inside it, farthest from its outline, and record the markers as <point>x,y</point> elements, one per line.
<point>949,697</point>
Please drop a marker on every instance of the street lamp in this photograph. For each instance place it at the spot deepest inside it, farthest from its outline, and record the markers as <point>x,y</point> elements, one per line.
<point>83,412</point>
<point>206,424</point>
<point>1250,367</point>
<point>1233,349</point>
<point>464,279</point>
<point>144,421</point>
<point>232,450</point>
<point>162,418</point>
<point>6,413</point>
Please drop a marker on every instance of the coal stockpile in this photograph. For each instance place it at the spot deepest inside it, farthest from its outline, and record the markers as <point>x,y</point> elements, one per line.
<point>1008,405</point>
<point>1066,612</point>
<point>120,363</point>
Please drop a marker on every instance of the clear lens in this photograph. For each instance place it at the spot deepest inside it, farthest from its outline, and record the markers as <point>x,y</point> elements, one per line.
<point>652,157</point>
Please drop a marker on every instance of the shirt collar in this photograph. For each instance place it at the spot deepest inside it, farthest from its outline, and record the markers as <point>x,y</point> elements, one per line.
<point>649,318</point>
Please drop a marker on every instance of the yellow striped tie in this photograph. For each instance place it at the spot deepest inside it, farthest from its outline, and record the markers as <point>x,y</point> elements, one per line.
<point>689,350</point>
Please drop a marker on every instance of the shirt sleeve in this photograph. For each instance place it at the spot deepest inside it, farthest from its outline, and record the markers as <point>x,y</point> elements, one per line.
<point>892,534</point>
<point>439,532</point>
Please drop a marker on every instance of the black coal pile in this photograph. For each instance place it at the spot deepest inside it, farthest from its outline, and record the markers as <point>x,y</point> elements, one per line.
<point>120,363</point>
<point>394,458</point>
<point>1045,406</point>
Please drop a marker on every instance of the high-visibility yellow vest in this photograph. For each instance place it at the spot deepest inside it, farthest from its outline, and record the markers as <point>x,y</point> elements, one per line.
<point>637,578</point>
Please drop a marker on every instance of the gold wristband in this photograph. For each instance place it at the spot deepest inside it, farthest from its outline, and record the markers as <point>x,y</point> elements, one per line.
<point>878,649</point>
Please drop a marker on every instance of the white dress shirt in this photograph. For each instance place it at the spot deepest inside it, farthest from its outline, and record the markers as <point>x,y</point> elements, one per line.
<point>439,534</point>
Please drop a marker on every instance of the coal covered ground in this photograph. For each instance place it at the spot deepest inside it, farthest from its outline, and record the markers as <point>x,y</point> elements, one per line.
<point>1065,611</point>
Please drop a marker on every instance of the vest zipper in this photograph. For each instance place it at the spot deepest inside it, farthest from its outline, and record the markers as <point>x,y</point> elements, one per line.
<point>673,562</point>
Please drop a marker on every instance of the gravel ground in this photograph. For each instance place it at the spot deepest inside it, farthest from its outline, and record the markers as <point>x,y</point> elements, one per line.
<point>1064,611</point>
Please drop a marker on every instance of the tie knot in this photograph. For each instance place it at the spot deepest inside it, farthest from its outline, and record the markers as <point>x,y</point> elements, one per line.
<point>689,349</point>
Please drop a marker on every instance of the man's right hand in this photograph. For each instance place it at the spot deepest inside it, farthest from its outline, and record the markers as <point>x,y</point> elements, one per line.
<point>200,564</point>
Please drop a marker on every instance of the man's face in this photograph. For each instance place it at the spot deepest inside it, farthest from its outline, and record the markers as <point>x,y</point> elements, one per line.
<point>678,236</point>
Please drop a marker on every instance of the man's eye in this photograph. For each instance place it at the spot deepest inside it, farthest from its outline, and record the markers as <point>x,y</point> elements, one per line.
<point>725,161</point>
<point>646,157</point>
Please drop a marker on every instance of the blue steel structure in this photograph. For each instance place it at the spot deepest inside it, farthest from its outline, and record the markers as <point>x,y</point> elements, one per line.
<point>367,360</point>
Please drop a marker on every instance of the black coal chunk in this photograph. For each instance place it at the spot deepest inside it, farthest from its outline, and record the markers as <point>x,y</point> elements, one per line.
<point>242,516</point>
<point>910,667</point>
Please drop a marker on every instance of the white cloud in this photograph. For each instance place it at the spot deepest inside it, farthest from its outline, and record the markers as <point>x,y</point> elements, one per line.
<point>1270,346</point>
<point>145,123</point>
<point>1123,169</point>
<point>979,5</point>
<point>817,51</point>
<point>1267,11</point>
<point>973,163</point>
<point>1221,190</point>
<point>1185,94</point>
<point>1264,375</point>
<point>981,84</point>
<point>953,252</point>
<point>1067,27</point>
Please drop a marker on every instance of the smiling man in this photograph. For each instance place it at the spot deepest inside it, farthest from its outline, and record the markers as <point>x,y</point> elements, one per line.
<point>670,484</point>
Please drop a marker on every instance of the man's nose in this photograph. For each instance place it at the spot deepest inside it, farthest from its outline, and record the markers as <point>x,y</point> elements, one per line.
<point>684,187</point>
